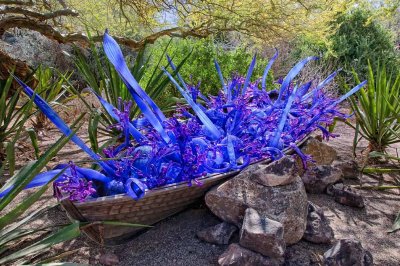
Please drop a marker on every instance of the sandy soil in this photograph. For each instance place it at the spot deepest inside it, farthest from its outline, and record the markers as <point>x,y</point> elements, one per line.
<point>173,241</point>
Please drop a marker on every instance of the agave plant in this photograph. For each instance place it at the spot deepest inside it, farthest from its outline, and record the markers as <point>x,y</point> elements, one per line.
<point>244,123</point>
<point>377,110</point>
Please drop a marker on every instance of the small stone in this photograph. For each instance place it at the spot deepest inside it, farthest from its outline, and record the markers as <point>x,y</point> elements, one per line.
<point>262,235</point>
<point>236,255</point>
<point>278,173</point>
<point>348,252</point>
<point>349,168</point>
<point>218,234</point>
<point>109,259</point>
<point>316,179</point>
<point>330,190</point>
<point>348,196</point>
<point>318,229</point>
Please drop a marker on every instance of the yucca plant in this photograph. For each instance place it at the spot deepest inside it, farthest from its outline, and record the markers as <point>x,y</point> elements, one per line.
<point>376,109</point>
<point>13,116</point>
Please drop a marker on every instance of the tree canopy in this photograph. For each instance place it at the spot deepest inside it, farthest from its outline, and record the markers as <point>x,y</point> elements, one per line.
<point>136,22</point>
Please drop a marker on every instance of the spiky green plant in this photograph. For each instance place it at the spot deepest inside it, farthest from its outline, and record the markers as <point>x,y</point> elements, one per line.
<point>51,87</point>
<point>13,116</point>
<point>376,109</point>
<point>103,79</point>
<point>14,223</point>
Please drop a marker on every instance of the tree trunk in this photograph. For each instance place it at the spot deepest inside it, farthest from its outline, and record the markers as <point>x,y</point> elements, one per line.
<point>20,68</point>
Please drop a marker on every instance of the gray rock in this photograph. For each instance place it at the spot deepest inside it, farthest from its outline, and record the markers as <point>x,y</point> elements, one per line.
<point>286,204</point>
<point>278,173</point>
<point>318,229</point>
<point>218,234</point>
<point>348,196</point>
<point>316,179</point>
<point>9,38</point>
<point>330,190</point>
<point>262,235</point>
<point>348,252</point>
<point>349,168</point>
<point>236,255</point>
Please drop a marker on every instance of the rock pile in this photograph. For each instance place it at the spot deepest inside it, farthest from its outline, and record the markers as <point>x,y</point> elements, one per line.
<point>326,173</point>
<point>286,204</point>
<point>268,202</point>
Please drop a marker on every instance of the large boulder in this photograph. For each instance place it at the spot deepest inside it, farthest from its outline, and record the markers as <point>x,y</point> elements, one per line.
<point>286,204</point>
<point>321,153</point>
<point>348,252</point>
<point>262,235</point>
<point>236,255</point>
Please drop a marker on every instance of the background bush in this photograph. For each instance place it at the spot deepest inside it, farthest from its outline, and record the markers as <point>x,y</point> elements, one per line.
<point>199,67</point>
<point>357,37</point>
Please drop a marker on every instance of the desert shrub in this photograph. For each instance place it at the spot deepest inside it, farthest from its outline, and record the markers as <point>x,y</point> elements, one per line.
<point>359,39</point>
<point>199,67</point>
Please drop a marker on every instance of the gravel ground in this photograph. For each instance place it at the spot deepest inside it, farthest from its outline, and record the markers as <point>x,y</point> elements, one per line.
<point>173,241</point>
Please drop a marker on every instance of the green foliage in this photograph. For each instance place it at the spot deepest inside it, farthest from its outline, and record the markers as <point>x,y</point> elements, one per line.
<point>377,112</point>
<point>304,46</point>
<point>51,87</point>
<point>12,115</point>
<point>13,225</point>
<point>101,76</point>
<point>359,39</point>
<point>199,67</point>
<point>12,118</point>
<point>104,80</point>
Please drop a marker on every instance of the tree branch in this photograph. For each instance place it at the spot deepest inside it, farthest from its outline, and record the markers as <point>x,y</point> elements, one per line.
<point>37,15</point>
<point>52,33</point>
<point>19,3</point>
